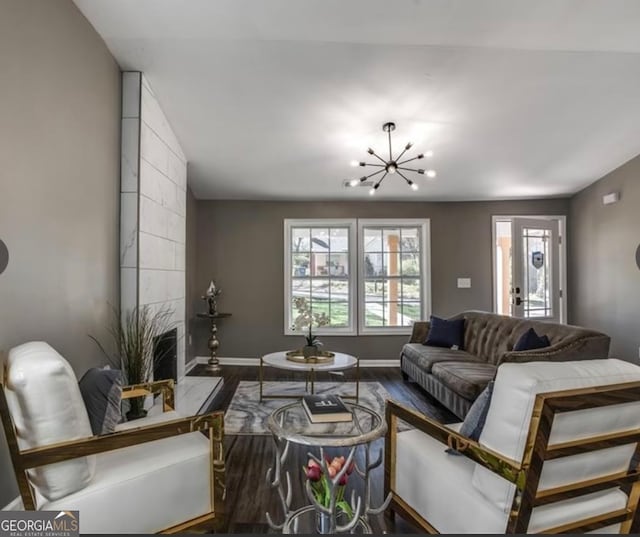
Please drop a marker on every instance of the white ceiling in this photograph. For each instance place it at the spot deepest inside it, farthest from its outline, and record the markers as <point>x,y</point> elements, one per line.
<point>271,99</point>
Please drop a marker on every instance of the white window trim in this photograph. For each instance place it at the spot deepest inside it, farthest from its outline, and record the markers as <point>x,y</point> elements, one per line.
<point>352,329</point>
<point>425,277</point>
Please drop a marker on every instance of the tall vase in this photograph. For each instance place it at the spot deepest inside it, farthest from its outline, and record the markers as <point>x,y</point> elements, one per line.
<point>136,409</point>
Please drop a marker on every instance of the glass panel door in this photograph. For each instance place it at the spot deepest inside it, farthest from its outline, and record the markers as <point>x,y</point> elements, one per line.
<point>535,291</point>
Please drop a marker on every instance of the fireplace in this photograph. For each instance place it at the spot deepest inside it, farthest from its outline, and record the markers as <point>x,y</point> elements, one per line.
<point>165,356</point>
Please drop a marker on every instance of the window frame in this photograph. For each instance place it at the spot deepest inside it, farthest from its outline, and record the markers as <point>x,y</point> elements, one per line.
<point>424,226</point>
<point>351,224</point>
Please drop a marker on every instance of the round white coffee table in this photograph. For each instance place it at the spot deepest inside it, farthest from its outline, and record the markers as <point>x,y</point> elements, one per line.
<point>279,360</point>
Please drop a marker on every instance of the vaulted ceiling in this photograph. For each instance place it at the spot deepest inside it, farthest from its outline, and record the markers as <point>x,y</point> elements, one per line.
<point>271,99</point>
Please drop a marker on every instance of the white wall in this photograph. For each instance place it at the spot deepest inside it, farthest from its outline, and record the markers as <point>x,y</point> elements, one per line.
<point>153,207</point>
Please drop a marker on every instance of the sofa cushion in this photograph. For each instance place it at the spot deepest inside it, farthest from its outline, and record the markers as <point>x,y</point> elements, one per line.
<point>509,416</point>
<point>465,378</point>
<point>46,408</point>
<point>424,356</point>
<point>446,333</point>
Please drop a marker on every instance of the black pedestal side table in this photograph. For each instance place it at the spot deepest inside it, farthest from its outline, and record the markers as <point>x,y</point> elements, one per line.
<point>213,364</point>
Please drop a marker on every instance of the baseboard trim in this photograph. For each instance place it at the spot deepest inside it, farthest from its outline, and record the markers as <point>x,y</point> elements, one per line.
<point>227,360</point>
<point>190,365</point>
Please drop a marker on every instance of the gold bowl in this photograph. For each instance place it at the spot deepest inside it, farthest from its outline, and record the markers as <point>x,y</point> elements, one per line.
<point>321,357</point>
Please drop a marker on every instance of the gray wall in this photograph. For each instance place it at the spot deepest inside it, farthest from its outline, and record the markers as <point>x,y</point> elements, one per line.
<point>193,292</point>
<point>240,244</point>
<point>60,155</point>
<point>604,281</point>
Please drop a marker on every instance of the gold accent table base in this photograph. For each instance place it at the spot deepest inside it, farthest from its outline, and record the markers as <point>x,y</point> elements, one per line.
<point>213,364</point>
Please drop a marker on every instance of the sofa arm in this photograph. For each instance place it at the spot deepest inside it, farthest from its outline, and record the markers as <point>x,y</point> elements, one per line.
<point>420,331</point>
<point>583,348</point>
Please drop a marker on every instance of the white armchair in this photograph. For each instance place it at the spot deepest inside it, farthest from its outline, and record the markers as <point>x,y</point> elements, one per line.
<point>556,455</point>
<point>158,474</point>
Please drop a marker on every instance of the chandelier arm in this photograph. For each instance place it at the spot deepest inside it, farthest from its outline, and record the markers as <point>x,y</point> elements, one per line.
<point>409,160</point>
<point>376,165</point>
<point>400,155</point>
<point>381,179</point>
<point>371,175</point>
<point>408,169</point>
<point>403,176</point>
<point>379,158</point>
<point>390,153</point>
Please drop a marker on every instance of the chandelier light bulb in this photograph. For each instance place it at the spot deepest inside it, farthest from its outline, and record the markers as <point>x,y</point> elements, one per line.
<point>354,163</point>
<point>431,174</point>
<point>372,191</point>
<point>428,154</point>
<point>414,186</point>
<point>354,182</point>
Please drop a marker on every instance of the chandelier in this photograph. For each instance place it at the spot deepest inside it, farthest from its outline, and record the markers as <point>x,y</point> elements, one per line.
<point>392,165</point>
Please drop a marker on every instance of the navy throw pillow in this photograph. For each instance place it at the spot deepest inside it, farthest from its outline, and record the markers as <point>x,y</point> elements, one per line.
<point>446,333</point>
<point>101,391</point>
<point>476,417</point>
<point>530,340</point>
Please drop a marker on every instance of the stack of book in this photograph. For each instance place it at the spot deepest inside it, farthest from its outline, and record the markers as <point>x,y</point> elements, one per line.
<point>325,408</point>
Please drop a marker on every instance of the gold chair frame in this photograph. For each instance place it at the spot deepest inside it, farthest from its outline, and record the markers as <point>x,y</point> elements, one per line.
<point>526,475</point>
<point>213,423</point>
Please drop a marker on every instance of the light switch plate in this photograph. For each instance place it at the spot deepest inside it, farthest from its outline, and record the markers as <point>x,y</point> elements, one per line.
<point>464,283</point>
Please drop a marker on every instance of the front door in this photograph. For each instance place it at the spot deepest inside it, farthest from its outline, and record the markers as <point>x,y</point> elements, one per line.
<point>535,288</point>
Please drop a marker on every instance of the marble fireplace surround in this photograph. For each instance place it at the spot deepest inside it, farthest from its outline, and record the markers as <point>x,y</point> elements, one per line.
<point>153,182</point>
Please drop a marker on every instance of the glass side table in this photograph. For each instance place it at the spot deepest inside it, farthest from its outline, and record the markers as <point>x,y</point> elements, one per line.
<point>290,425</point>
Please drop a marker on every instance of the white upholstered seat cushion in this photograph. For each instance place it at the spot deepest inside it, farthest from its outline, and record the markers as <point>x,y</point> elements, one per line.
<point>438,486</point>
<point>509,415</point>
<point>145,488</point>
<point>46,407</point>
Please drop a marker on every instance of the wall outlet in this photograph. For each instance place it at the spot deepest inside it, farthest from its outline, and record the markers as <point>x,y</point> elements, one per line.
<point>464,283</point>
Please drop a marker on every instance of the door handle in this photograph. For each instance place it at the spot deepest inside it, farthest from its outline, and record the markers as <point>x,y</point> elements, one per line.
<point>518,301</point>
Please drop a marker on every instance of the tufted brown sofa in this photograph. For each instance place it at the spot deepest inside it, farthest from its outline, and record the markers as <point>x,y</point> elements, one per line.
<point>456,377</point>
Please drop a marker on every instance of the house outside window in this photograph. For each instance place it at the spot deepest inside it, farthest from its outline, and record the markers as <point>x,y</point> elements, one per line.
<point>367,276</point>
<point>320,265</point>
<point>394,275</point>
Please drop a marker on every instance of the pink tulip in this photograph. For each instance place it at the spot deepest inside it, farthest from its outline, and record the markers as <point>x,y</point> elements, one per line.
<point>341,460</point>
<point>313,473</point>
<point>312,463</point>
<point>343,480</point>
<point>332,471</point>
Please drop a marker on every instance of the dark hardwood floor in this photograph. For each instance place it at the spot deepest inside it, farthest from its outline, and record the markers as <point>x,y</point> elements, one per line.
<point>248,457</point>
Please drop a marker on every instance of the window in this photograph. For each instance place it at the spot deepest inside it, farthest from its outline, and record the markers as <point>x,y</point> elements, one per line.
<point>320,267</point>
<point>385,295</point>
<point>394,274</point>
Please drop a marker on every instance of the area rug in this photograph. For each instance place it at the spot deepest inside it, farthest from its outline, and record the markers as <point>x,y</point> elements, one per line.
<point>247,415</point>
